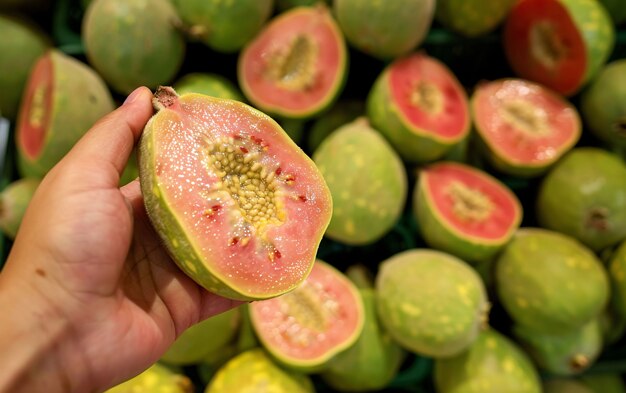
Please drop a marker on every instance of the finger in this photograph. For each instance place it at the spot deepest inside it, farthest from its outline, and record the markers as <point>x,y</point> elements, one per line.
<point>113,137</point>
<point>213,304</point>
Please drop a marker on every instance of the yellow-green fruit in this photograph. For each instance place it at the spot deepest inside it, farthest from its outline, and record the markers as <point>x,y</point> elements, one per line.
<point>254,372</point>
<point>492,364</point>
<point>367,181</point>
<point>133,43</point>
<point>156,379</point>
<point>213,85</point>
<point>472,18</point>
<point>21,43</point>
<point>14,200</point>
<point>430,302</point>
<point>617,274</point>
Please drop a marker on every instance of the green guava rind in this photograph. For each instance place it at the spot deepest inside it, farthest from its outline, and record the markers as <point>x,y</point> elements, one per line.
<point>156,378</point>
<point>413,144</point>
<point>616,9</point>
<point>440,235</point>
<point>367,181</point>
<point>204,338</point>
<point>126,42</point>
<point>315,365</point>
<point>371,362</point>
<point>21,44</point>
<point>213,85</point>
<point>528,268</point>
<point>226,25</point>
<point>341,113</point>
<point>283,5</point>
<point>79,99</point>
<point>425,314</point>
<point>253,371</point>
<point>207,368</point>
<point>384,30</point>
<point>199,265</point>
<point>604,382</point>
<point>472,18</point>
<point>562,385</point>
<point>14,200</point>
<point>492,364</point>
<point>603,104</point>
<point>584,181</point>
<point>558,353</point>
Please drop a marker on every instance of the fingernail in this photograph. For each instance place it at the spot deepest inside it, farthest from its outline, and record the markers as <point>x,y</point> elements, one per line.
<point>133,96</point>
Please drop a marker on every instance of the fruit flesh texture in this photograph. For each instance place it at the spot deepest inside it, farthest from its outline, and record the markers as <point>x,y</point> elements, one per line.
<point>472,18</point>
<point>254,371</point>
<point>525,127</point>
<point>492,364</point>
<point>568,353</point>
<point>125,42</point>
<point>157,378</point>
<point>464,211</point>
<point>425,314</point>
<point>526,273</point>
<point>584,196</point>
<point>224,26</point>
<point>384,29</point>
<point>213,85</point>
<point>21,44</point>
<point>295,67</point>
<point>603,104</point>
<point>558,43</point>
<point>367,181</point>
<point>420,107</point>
<point>231,158</point>
<point>14,200</point>
<point>49,123</point>
<point>310,325</point>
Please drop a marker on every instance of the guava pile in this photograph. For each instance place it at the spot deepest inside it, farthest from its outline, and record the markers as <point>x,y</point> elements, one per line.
<point>413,195</point>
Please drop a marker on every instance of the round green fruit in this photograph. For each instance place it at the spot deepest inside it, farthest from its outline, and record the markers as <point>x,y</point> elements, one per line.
<point>584,196</point>
<point>418,104</point>
<point>367,181</point>
<point>296,66</point>
<point>62,100</point>
<point>225,26</point>
<point>213,85</point>
<point>430,302</point>
<point>21,44</point>
<point>133,43</point>
<point>549,282</point>
<point>240,207</point>
<point>14,200</point>
<point>384,29</point>
<point>472,18</point>
<point>561,44</point>
<point>464,211</point>
<point>492,364</point>
<point>524,127</point>
<point>306,328</point>
<point>156,378</point>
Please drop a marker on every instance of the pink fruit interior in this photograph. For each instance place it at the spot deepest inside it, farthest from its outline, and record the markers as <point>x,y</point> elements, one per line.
<point>407,74</point>
<point>514,144</point>
<point>566,43</point>
<point>505,208</point>
<point>34,116</point>
<point>259,261</point>
<point>291,337</point>
<point>314,24</point>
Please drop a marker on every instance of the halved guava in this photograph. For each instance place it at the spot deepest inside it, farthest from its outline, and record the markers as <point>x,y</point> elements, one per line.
<point>307,327</point>
<point>240,207</point>
<point>465,211</point>
<point>296,66</point>
<point>524,126</point>
<point>62,100</point>
<point>558,43</point>
<point>418,104</point>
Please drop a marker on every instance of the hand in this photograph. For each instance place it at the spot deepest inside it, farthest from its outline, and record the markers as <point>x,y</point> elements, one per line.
<point>91,296</point>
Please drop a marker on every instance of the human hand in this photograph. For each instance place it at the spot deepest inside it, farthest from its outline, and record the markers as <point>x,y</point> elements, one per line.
<point>90,295</point>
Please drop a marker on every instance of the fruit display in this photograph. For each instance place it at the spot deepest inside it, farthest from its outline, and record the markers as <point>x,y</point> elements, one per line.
<point>408,196</point>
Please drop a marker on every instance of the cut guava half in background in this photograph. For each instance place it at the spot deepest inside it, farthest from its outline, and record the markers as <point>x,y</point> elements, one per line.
<point>465,211</point>
<point>418,104</point>
<point>307,327</point>
<point>296,66</point>
<point>525,127</point>
<point>559,43</point>
<point>240,207</point>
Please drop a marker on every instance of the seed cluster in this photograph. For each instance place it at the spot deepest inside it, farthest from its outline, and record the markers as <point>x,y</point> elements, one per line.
<point>529,118</point>
<point>293,67</point>
<point>469,204</point>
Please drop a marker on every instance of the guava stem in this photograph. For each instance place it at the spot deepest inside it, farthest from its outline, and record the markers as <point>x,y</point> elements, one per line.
<point>164,97</point>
